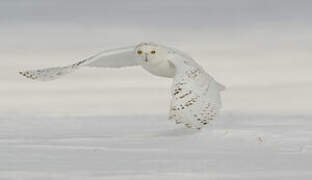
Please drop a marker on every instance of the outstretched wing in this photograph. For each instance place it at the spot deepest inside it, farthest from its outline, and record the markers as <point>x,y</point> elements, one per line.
<point>114,58</point>
<point>195,94</point>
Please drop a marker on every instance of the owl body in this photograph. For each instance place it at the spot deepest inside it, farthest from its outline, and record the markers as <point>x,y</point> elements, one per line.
<point>163,69</point>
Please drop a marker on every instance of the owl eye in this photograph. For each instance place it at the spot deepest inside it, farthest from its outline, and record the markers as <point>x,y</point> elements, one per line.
<point>139,52</point>
<point>153,52</point>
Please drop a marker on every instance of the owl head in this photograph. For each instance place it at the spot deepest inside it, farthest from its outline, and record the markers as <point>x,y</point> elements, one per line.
<point>150,54</point>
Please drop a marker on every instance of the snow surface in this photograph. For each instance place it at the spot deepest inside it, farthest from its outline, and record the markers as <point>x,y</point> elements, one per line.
<point>112,124</point>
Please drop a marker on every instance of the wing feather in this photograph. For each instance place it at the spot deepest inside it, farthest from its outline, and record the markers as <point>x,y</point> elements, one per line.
<point>115,58</point>
<point>195,95</point>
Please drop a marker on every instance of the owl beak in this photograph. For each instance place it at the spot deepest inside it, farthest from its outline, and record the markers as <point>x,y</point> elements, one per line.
<point>145,57</point>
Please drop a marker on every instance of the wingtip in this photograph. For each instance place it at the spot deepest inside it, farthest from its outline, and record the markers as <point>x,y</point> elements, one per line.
<point>22,73</point>
<point>27,75</point>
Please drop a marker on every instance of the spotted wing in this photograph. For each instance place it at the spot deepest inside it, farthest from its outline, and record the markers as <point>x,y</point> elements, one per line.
<point>195,95</point>
<point>114,58</point>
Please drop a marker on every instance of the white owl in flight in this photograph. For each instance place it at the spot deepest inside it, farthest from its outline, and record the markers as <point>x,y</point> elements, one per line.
<point>195,94</point>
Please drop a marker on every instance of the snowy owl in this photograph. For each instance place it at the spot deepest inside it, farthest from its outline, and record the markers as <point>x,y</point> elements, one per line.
<point>195,94</point>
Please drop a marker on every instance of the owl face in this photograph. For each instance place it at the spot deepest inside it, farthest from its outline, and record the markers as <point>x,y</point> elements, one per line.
<point>150,54</point>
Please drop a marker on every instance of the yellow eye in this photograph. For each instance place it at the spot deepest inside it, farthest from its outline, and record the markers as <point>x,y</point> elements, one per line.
<point>153,52</point>
<point>139,52</point>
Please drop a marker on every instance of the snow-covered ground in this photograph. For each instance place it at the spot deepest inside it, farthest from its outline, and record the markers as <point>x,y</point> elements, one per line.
<point>112,123</point>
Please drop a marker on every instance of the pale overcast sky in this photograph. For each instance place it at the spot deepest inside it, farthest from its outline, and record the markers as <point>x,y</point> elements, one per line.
<point>214,30</point>
<point>156,13</point>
